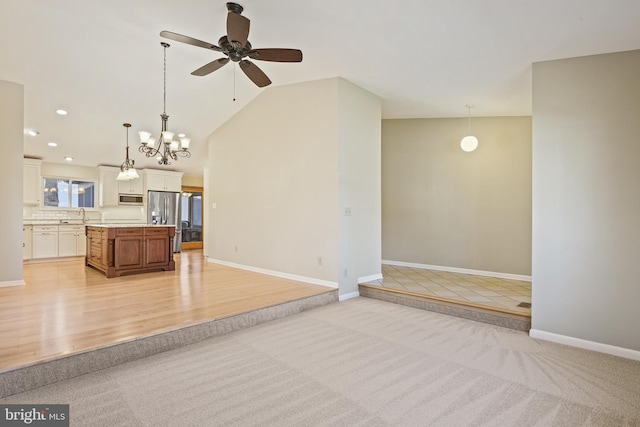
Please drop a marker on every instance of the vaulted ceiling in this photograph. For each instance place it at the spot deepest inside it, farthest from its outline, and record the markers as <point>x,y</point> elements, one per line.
<point>103,62</point>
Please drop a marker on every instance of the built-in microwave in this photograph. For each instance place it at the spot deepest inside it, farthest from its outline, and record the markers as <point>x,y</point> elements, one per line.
<point>130,199</point>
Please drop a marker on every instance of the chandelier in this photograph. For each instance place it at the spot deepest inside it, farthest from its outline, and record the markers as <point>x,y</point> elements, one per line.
<point>127,171</point>
<point>164,148</point>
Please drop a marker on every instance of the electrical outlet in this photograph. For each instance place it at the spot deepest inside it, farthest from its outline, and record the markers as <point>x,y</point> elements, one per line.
<point>346,273</point>
<point>319,260</point>
<point>236,248</point>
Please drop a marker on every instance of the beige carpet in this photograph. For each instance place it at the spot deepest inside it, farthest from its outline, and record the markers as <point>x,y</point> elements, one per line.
<point>361,362</point>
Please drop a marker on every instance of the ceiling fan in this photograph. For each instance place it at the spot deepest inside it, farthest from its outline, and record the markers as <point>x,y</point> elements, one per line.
<point>235,45</point>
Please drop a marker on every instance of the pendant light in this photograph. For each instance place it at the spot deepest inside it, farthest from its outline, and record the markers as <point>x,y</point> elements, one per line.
<point>127,171</point>
<point>469,142</point>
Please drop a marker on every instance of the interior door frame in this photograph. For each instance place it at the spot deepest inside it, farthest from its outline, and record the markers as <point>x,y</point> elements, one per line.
<point>191,189</point>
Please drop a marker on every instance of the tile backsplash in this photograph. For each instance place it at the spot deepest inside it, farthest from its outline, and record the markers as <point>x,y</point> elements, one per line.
<point>108,215</point>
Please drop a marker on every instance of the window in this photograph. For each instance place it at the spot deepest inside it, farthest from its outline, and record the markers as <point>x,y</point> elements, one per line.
<point>191,216</point>
<point>68,193</point>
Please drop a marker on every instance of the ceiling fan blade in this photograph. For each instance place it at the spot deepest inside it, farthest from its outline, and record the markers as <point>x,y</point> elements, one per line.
<point>276,55</point>
<point>210,67</point>
<point>189,40</point>
<point>237,29</point>
<point>254,73</point>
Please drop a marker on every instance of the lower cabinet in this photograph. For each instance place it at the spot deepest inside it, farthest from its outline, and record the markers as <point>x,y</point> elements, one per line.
<point>128,248</point>
<point>94,245</point>
<point>117,251</point>
<point>71,241</point>
<point>27,241</point>
<point>157,247</point>
<point>45,241</point>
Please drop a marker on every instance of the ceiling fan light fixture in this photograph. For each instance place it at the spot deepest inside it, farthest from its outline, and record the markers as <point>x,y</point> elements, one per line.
<point>469,143</point>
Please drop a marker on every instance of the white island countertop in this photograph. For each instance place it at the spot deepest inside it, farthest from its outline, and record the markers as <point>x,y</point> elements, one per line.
<point>128,225</point>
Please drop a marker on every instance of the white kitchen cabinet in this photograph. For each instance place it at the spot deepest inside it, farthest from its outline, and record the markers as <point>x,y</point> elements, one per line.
<point>108,186</point>
<point>71,241</point>
<point>131,186</point>
<point>156,180</point>
<point>31,182</point>
<point>45,241</point>
<point>27,241</point>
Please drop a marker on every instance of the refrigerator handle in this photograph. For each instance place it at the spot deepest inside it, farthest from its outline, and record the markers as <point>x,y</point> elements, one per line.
<point>166,209</point>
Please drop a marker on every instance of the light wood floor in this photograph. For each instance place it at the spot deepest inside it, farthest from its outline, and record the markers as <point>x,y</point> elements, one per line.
<point>66,307</point>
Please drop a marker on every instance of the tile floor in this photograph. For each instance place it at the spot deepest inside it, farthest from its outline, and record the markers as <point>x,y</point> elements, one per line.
<point>483,291</point>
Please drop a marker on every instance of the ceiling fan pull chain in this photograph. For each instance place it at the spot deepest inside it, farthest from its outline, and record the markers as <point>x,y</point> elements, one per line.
<point>234,81</point>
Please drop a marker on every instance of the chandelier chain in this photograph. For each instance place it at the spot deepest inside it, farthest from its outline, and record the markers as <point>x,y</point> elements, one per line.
<point>164,104</point>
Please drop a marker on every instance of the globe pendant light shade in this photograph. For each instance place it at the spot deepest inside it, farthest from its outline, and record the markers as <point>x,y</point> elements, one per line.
<point>469,143</point>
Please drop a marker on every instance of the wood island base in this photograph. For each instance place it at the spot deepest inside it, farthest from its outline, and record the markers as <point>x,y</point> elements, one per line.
<point>117,250</point>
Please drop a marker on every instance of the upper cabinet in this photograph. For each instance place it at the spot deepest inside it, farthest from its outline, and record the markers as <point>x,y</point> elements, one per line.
<point>31,181</point>
<point>131,186</point>
<point>156,180</point>
<point>108,186</point>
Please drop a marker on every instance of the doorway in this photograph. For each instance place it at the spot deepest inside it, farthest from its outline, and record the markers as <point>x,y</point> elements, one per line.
<point>191,213</point>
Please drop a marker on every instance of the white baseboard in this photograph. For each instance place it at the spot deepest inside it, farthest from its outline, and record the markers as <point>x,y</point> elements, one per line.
<point>348,296</point>
<point>460,270</point>
<point>276,273</point>
<point>12,283</point>
<point>587,345</point>
<point>370,278</point>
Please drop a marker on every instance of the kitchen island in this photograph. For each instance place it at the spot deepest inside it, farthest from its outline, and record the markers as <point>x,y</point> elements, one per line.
<point>122,249</point>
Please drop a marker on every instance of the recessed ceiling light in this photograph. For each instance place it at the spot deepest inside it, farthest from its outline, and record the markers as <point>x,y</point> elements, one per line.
<point>62,112</point>
<point>52,144</point>
<point>31,132</point>
<point>181,135</point>
<point>68,159</point>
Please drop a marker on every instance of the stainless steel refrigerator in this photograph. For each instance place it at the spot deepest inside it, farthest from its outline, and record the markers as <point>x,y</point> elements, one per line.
<point>163,208</point>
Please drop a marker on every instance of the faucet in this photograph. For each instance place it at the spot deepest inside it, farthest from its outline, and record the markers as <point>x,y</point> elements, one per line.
<point>84,217</point>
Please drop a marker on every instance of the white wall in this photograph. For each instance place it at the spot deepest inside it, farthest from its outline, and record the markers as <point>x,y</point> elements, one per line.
<point>206,200</point>
<point>586,198</point>
<point>360,240</point>
<point>12,131</point>
<point>444,207</point>
<point>281,172</point>
<point>192,180</point>
<point>274,179</point>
